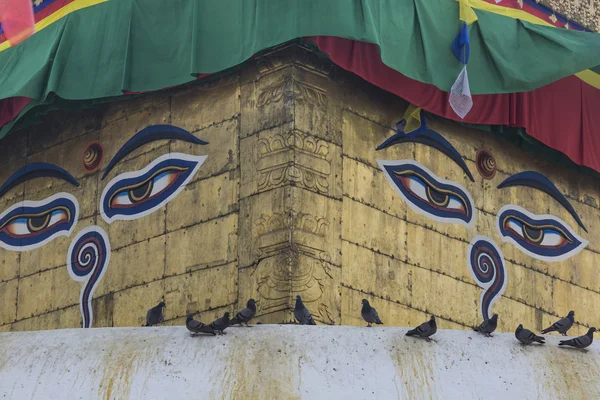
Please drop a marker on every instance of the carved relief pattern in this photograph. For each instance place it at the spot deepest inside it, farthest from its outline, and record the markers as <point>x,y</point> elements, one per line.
<point>270,94</point>
<point>307,167</point>
<point>308,223</point>
<point>271,227</point>
<point>311,94</point>
<point>279,282</point>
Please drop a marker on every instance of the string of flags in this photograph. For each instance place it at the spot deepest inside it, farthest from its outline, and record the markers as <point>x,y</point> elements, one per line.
<point>460,93</point>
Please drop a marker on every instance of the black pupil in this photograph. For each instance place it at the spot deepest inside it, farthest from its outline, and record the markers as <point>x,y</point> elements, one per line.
<point>532,233</point>
<point>140,192</point>
<point>37,223</point>
<point>437,197</point>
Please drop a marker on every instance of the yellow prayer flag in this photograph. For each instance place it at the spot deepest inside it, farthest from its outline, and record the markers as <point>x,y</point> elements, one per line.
<point>412,116</point>
<point>466,12</point>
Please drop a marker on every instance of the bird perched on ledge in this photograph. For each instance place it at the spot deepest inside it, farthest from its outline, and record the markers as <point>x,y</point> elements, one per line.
<point>195,326</point>
<point>425,330</point>
<point>219,325</point>
<point>488,326</point>
<point>369,314</point>
<point>155,314</point>
<point>246,314</point>
<point>526,337</point>
<point>563,325</point>
<point>580,342</point>
<point>302,314</point>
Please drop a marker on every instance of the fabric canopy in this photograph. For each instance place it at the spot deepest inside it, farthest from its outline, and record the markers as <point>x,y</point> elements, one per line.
<point>141,45</point>
<point>121,45</point>
<point>563,115</point>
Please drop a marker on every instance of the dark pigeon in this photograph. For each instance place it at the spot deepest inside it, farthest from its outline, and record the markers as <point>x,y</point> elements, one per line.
<point>369,314</point>
<point>219,325</point>
<point>488,326</point>
<point>302,314</point>
<point>563,325</point>
<point>526,337</point>
<point>246,314</point>
<point>424,330</point>
<point>155,314</point>
<point>195,326</point>
<point>580,342</point>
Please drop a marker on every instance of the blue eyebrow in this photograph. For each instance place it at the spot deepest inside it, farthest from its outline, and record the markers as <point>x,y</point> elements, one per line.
<point>538,181</point>
<point>36,170</point>
<point>429,138</point>
<point>151,134</point>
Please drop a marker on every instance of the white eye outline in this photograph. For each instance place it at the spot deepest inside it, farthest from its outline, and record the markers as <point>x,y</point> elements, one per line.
<point>447,220</point>
<point>199,160</point>
<point>41,203</point>
<point>538,217</point>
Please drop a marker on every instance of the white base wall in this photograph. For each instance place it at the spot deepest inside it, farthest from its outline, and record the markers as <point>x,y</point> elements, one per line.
<point>289,362</point>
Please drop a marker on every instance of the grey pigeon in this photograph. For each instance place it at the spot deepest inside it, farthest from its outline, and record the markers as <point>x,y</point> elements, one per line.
<point>155,314</point>
<point>580,342</point>
<point>302,314</point>
<point>488,326</point>
<point>525,336</point>
<point>219,325</point>
<point>246,314</point>
<point>563,325</point>
<point>369,314</point>
<point>424,330</point>
<point>195,326</point>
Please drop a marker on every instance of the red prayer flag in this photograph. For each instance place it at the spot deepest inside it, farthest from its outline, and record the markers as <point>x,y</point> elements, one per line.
<point>17,21</point>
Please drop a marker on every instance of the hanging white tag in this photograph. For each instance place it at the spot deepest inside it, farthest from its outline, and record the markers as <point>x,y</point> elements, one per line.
<point>460,94</point>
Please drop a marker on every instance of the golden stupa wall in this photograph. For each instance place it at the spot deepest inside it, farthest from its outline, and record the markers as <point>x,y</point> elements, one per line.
<point>290,200</point>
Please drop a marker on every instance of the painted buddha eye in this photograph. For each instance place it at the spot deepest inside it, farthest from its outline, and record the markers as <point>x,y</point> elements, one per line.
<point>31,224</point>
<point>437,198</point>
<point>148,189</point>
<point>544,237</point>
<point>136,194</point>
<point>424,190</point>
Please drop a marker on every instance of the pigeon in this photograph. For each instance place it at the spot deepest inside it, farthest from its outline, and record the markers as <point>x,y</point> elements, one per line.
<point>155,314</point>
<point>219,325</point>
<point>488,326</point>
<point>369,314</point>
<point>525,336</point>
<point>580,342</point>
<point>563,325</point>
<point>302,314</point>
<point>246,314</point>
<point>196,326</point>
<point>424,330</point>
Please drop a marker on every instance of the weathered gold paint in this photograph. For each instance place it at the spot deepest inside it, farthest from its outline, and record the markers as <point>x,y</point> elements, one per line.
<point>289,201</point>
